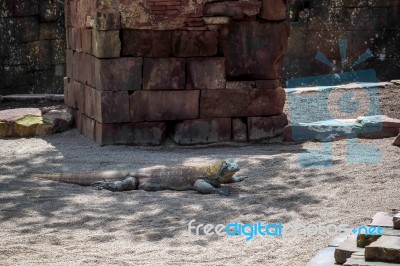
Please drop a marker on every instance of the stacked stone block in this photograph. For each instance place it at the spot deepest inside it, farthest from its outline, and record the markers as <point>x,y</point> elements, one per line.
<point>32,46</point>
<point>198,73</point>
<point>318,25</point>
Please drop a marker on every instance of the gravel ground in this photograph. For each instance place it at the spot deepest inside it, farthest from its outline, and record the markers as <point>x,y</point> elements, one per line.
<point>50,223</point>
<point>56,224</point>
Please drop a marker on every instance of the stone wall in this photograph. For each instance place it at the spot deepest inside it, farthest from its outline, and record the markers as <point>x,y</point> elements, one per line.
<point>197,71</point>
<point>318,25</point>
<point>32,46</point>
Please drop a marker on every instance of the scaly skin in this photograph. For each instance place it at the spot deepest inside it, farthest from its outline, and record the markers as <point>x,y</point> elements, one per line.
<point>204,180</point>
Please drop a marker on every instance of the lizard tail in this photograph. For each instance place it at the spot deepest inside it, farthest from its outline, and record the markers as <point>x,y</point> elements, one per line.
<point>83,179</point>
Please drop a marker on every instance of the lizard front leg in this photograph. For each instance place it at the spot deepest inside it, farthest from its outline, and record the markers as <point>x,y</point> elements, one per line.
<point>204,187</point>
<point>129,183</point>
<point>235,179</point>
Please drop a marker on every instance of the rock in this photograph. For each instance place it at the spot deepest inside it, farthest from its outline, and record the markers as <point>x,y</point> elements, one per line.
<point>216,20</point>
<point>206,73</point>
<point>364,239</point>
<point>273,9</point>
<point>233,9</point>
<point>20,122</point>
<point>118,74</point>
<point>194,43</point>
<point>385,249</point>
<point>239,129</point>
<point>346,249</point>
<point>234,85</point>
<point>111,106</point>
<point>383,219</point>
<point>60,121</point>
<point>107,19</point>
<point>380,126</point>
<point>260,128</point>
<point>146,43</point>
<point>202,131</point>
<point>324,257</point>
<point>340,238</point>
<point>106,44</point>
<point>397,141</point>
<point>356,260</point>
<point>164,105</point>
<point>255,50</point>
<point>145,133</point>
<point>395,82</point>
<point>241,102</point>
<point>324,131</point>
<point>396,221</point>
<point>164,74</point>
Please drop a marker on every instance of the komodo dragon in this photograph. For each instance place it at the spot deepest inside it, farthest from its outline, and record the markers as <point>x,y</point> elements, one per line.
<point>206,180</point>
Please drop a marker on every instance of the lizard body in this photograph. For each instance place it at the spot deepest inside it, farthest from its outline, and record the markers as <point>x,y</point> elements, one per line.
<point>206,179</point>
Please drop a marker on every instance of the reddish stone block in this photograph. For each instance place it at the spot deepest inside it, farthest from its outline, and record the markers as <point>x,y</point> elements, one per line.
<point>69,57</point>
<point>86,37</point>
<point>120,74</point>
<point>254,50</point>
<point>78,40</point>
<point>268,84</point>
<point>194,43</point>
<point>273,9</point>
<point>260,128</point>
<point>202,131</point>
<point>145,133</point>
<point>106,44</point>
<point>206,73</point>
<point>111,106</point>
<point>71,32</point>
<point>146,43</point>
<point>234,9</point>
<point>239,129</point>
<point>241,103</point>
<point>397,142</point>
<point>164,74</point>
<point>77,72</point>
<point>90,103</point>
<point>68,92</point>
<point>107,19</point>
<point>164,105</point>
<point>88,127</point>
<point>79,90</point>
<point>235,85</point>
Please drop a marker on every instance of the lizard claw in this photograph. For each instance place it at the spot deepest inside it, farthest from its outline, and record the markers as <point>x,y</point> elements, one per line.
<point>224,192</point>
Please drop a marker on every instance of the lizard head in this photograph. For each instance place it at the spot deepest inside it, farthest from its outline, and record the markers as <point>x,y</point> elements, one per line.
<point>223,170</point>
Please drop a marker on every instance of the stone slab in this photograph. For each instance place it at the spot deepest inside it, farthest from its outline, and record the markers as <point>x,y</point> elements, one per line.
<point>383,219</point>
<point>323,257</point>
<point>164,74</point>
<point>361,261</point>
<point>385,249</point>
<point>206,73</point>
<point>260,128</point>
<point>346,249</point>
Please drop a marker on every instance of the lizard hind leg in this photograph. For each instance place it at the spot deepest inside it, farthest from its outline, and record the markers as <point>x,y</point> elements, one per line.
<point>129,183</point>
<point>204,187</point>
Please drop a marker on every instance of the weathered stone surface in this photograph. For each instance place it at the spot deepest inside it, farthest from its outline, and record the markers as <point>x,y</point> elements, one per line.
<point>268,84</point>
<point>396,221</point>
<point>77,72</point>
<point>23,29</point>
<point>255,50</point>
<point>57,52</point>
<point>340,238</point>
<point>60,121</point>
<point>273,9</point>
<point>107,19</point>
<point>111,106</point>
<point>88,126</point>
<point>164,74</point>
<point>206,73</point>
<point>164,105</point>
<point>239,129</point>
<point>146,43</point>
<point>397,141</point>
<point>241,103</point>
<point>25,8</point>
<point>346,249</point>
<point>260,128</point>
<point>385,249</point>
<point>106,44</point>
<point>202,131</point>
<point>216,20</point>
<point>383,219</point>
<point>51,31</point>
<point>145,133</point>
<point>364,239</point>
<point>20,122</point>
<point>194,43</point>
<point>324,257</point>
<point>234,85</point>
<point>376,127</point>
<point>234,9</point>
<point>120,74</point>
<point>356,260</point>
<point>38,55</point>
<point>50,11</point>
<point>86,37</point>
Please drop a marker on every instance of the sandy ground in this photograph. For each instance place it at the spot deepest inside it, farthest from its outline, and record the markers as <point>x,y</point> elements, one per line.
<point>50,223</point>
